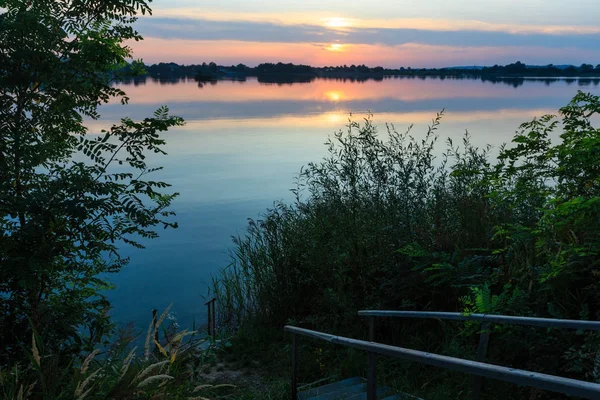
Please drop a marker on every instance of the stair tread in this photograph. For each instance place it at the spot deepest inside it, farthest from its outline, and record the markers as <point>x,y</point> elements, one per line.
<point>331,387</point>
<point>342,393</point>
<point>350,389</point>
<point>381,391</point>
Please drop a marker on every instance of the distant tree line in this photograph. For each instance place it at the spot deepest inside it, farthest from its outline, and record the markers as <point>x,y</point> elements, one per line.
<point>280,72</point>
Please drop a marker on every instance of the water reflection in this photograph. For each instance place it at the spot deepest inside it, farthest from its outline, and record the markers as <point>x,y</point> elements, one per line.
<point>292,80</point>
<point>252,99</point>
<point>244,142</point>
<point>407,90</point>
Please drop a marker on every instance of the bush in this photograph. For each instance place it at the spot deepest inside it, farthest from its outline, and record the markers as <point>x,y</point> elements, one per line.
<point>385,224</point>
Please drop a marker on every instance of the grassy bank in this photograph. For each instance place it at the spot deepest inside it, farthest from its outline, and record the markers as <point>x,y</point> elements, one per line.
<point>166,364</point>
<point>383,223</point>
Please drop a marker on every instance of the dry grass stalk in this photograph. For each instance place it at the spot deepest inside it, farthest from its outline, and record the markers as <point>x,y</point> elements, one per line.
<point>81,386</point>
<point>88,360</point>
<point>149,369</point>
<point>148,338</point>
<point>127,362</point>
<point>20,394</point>
<point>155,378</point>
<point>84,394</point>
<point>161,349</point>
<point>152,330</point>
<point>161,319</point>
<point>208,386</point>
<point>34,350</point>
<point>30,389</point>
<point>180,336</point>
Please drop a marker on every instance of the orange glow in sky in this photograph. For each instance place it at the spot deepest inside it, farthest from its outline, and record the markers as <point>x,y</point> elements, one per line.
<point>337,23</point>
<point>336,47</point>
<point>390,34</point>
<point>228,52</point>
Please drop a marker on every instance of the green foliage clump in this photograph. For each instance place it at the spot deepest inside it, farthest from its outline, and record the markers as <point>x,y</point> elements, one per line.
<point>69,199</point>
<point>384,224</point>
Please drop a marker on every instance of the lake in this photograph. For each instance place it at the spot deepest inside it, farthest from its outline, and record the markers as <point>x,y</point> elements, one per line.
<point>244,142</point>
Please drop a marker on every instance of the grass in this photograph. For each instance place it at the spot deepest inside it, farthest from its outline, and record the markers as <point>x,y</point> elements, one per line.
<point>165,368</point>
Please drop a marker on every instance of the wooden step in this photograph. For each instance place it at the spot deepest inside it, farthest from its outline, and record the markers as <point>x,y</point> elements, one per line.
<point>329,388</point>
<point>347,389</point>
<point>342,393</point>
<point>381,392</point>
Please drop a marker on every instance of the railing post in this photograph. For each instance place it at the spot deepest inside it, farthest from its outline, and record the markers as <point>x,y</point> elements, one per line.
<point>482,347</point>
<point>294,368</point>
<point>372,371</point>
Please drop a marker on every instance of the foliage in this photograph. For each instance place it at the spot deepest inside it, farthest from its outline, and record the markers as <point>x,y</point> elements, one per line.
<point>68,199</point>
<point>385,224</point>
<point>166,369</point>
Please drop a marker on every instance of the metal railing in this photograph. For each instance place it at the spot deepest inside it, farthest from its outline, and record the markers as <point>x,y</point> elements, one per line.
<point>479,369</point>
<point>486,322</point>
<point>489,318</point>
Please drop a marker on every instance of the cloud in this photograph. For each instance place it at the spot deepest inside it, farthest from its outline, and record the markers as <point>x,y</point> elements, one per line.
<point>527,13</point>
<point>473,35</point>
<point>204,29</point>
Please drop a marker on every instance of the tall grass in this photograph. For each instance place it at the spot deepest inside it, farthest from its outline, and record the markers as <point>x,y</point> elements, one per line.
<point>166,368</point>
<point>381,222</point>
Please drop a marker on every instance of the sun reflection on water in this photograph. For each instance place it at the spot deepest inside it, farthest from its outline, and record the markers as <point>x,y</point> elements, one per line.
<point>333,95</point>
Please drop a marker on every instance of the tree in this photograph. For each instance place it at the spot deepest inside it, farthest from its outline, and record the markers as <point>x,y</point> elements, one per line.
<point>68,199</point>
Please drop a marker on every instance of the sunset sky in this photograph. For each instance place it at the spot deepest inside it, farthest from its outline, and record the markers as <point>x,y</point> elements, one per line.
<point>391,33</point>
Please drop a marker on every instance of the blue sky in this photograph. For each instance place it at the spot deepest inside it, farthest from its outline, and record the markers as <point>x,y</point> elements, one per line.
<point>389,33</point>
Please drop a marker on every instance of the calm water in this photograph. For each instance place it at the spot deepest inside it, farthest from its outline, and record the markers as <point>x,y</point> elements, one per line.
<point>245,141</point>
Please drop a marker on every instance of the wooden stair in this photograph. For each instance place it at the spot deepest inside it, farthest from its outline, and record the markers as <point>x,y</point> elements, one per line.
<point>347,389</point>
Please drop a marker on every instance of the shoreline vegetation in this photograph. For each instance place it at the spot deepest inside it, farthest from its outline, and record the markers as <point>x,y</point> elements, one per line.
<point>386,222</point>
<point>281,73</point>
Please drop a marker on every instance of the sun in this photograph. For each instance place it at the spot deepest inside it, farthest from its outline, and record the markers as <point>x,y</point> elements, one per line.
<point>336,47</point>
<point>337,23</point>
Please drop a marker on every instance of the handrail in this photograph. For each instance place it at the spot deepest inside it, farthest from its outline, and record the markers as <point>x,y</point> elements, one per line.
<point>570,387</point>
<point>502,319</point>
<point>486,321</point>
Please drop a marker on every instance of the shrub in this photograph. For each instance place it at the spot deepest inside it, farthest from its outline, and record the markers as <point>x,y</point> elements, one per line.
<point>386,224</point>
